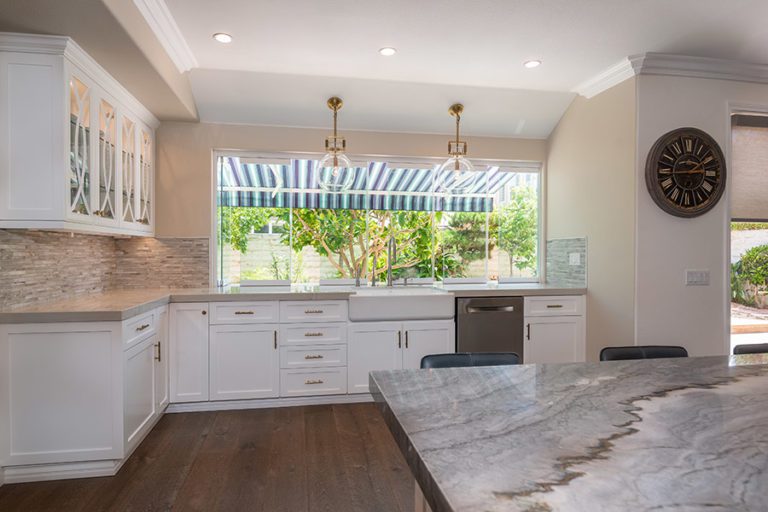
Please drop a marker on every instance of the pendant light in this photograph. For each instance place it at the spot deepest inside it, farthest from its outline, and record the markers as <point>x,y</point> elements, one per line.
<point>456,174</point>
<point>334,169</point>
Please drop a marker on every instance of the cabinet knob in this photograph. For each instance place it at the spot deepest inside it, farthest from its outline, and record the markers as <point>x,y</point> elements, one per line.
<point>205,312</point>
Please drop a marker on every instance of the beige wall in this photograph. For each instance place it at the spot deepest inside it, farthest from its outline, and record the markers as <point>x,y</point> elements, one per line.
<point>591,192</point>
<point>184,161</point>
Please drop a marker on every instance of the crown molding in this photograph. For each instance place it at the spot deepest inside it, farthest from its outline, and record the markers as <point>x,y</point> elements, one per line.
<point>668,64</point>
<point>607,79</point>
<point>33,43</point>
<point>161,22</point>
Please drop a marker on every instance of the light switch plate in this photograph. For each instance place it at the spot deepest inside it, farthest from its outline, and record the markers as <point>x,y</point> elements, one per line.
<point>574,258</point>
<point>697,278</point>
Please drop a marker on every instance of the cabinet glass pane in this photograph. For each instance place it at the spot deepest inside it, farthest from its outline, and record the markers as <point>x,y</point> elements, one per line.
<point>107,160</point>
<point>79,146</point>
<point>128,160</point>
<point>145,178</point>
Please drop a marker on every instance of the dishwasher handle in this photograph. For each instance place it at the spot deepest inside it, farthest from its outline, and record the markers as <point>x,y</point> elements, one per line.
<point>490,309</point>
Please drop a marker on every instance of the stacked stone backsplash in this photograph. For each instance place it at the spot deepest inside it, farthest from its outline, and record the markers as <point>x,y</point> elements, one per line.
<point>46,266</point>
<point>561,270</point>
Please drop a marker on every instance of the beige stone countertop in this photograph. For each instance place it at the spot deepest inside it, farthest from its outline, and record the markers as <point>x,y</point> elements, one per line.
<point>118,305</point>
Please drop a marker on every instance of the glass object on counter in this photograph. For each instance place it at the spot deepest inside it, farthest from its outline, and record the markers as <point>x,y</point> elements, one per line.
<point>79,147</point>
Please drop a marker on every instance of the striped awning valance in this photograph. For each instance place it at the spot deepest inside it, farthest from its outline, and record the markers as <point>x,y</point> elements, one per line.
<point>379,186</point>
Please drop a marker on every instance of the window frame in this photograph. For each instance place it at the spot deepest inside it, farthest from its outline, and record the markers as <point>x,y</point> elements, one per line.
<point>363,160</point>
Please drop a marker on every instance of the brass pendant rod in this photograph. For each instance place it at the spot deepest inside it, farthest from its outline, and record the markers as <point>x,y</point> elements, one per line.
<point>458,120</point>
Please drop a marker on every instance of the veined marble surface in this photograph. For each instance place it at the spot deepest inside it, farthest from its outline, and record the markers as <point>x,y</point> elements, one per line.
<point>685,434</point>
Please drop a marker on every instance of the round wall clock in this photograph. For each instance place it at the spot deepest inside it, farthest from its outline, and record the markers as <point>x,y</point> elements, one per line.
<point>685,172</point>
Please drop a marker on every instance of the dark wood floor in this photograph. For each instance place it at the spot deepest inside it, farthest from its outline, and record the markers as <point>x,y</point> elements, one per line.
<point>319,458</point>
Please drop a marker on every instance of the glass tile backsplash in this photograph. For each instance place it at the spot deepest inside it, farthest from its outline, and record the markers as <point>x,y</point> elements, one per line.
<point>567,262</point>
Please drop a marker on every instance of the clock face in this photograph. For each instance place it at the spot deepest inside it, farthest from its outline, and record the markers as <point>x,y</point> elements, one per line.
<point>685,172</point>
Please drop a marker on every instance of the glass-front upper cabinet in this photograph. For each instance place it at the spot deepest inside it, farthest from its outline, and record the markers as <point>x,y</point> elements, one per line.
<point>107,160</point>
<point>79,147</point>
<point>145,178</point>
<point>128,166</point>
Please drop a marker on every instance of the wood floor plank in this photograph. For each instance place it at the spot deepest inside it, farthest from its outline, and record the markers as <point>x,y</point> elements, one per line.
<point>294,459</point>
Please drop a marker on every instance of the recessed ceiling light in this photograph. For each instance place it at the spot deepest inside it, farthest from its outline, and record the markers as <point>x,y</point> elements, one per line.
<point>222,37</point>
<point>530,64</point>
<point>387,51</point>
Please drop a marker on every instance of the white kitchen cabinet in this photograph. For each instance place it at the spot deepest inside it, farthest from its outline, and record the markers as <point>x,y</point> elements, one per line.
<point>394,345</point>
<point>189,352</point>
<point>555,330</point>
<point>426,337</point>
<point>244,362</point>
<point>162,384</point>
<point>76,148</point>
<point>139,396</point>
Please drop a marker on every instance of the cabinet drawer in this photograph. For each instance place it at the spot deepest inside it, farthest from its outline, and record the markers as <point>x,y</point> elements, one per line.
<point>313,311</point>
<point>313,356</point>
<point>330,381</point>
<point>313,334</point>
<point>244,312</point>
<point>570,305</point>
<point>138,328</point>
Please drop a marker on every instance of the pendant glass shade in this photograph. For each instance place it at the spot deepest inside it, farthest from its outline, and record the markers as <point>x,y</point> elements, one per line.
<point>456,175</point>
<point>335,173</point>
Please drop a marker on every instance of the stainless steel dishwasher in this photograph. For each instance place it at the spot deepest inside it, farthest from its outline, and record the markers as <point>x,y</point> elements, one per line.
<point>490,324</point>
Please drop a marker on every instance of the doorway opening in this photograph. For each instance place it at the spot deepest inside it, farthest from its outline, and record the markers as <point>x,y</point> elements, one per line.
<point>749,229</point>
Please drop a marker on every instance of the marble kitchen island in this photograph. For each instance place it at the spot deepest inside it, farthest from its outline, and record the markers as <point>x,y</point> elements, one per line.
<point>666,434</point>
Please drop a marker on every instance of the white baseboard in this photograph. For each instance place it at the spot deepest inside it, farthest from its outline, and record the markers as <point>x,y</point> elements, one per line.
<point>264,403</point>
<point>61,471</point>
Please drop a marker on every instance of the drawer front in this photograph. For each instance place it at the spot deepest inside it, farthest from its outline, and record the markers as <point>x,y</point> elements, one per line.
<point>312,356</point>
<point>330,381</point>
<point>138,328</point>
<point>569,305</point>
<point>313,311</point>
<point>244,312</point>
<point>313,334</point>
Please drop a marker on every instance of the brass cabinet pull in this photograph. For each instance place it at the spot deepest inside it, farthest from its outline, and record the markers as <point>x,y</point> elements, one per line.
<point>243,312</point>
<point>399,339</point>
<point>310,356</point>
<point>313,334</point>
<point>158,354</point>
<point>142,327</point>
<point>313,311</point>
<point>554,306</point>
<point>406,339</point>
<point>316,381</point>
<point>275,338</point>
<point>528,333</point>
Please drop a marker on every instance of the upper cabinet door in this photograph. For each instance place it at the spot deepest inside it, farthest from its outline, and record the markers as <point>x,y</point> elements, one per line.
<point>146,153</point>
<point>128,168</point>
<point>107,161</point>
<point>80,146</point>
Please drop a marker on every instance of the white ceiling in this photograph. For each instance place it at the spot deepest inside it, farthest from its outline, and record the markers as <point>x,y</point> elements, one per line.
<point>288,56</point>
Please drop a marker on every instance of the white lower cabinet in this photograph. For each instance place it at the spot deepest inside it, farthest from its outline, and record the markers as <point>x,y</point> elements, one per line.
<point>162,383</point>
<point>554,330</point>
<point>189,352</point>
<point>139,390</point>
<point>394,345</point>
<point>244,362</point>
<point>313,382</point>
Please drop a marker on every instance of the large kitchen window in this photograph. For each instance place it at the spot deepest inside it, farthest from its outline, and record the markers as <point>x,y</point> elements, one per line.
<point>274,222</point>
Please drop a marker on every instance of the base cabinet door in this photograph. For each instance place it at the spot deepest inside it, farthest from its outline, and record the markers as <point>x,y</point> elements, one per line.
<point>189,352</point>
<point>245,362</point>
<point>139,391</point>
<point>554,339</point>
<point>372,346</point>
<point>425,338</point>
<point>162,392</point>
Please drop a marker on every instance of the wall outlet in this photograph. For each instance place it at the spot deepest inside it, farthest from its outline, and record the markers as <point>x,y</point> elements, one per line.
<point>697,278</point>
<point>574,258</point>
